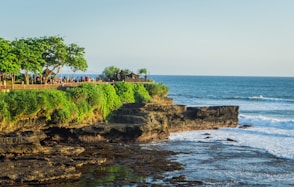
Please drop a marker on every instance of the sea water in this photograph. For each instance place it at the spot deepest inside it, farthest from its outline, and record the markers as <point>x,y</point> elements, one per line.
<point>262,155</point>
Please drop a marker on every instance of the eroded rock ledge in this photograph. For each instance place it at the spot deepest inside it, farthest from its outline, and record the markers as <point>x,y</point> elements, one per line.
<point>45,155</point>
<point>150,121</point>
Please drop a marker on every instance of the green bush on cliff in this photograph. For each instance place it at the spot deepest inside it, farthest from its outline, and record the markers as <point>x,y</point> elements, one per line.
<point>91,97</point>
<point>157,90</point>
<point>22,104</point>
<point>4,112</point>
<point>74,104</point>
<point>52,100</point>
<point>125,91</point>
<point>45,103</point>
<point>132,93</point>
<point>79,96</point>
<point>141,94</point>
<point>64,110</point>
<point>110,100</point>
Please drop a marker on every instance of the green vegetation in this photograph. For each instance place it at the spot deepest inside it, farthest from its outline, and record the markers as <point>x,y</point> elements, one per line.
<point>143,71</point>
<point>125,91</point>
<point>141,94</point>
<point>34,55</point>
<point>74,104</point>
<point>110,73</point>
<point>132,93</point>
<point>157,90</point>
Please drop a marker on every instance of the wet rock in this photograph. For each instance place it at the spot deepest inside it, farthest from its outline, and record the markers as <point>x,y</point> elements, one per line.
<point>180,178</point>
<point>231,140</point>
<point>245,126</point>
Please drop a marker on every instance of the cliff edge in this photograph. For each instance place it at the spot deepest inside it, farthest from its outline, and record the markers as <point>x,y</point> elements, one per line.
<point>30,156</point>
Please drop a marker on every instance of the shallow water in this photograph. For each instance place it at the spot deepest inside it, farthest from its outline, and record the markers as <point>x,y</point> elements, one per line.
<point>220,164</point>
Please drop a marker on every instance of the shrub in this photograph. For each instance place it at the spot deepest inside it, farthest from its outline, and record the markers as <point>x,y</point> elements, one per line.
<point>22,103</point>
<point>94,93</point>
<point>90,97</point>
<point>59,107</point>
<point>141,94</point>
<point>4,112</point>
<point>110,100</point>
<point>125,91</point>
<point>159,90</point>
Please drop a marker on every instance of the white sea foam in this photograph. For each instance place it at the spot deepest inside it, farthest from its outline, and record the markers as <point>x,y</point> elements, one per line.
<point>270,99</point>
<point>278,142</point>
<point>268,122</point>
<point>272,135</point>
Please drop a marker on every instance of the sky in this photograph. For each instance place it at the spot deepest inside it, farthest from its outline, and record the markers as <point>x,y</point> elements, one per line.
<point>167,37</point>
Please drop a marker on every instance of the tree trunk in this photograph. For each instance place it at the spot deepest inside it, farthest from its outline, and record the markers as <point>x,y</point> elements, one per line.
<point>35,78</point>
<point>27,77</point>
<point>12,81</point>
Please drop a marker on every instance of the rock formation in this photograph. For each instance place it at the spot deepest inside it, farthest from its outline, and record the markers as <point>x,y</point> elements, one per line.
<point>30,156</point>
<point>151,121</point>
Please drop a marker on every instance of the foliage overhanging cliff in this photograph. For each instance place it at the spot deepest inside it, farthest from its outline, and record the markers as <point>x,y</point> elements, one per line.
<point>72,105</point>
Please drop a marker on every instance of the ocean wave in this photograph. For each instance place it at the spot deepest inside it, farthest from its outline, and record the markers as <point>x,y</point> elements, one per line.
<point>274,141</point>
<point>259,98</point>
<point>263,121</point>
<point>270,99</point>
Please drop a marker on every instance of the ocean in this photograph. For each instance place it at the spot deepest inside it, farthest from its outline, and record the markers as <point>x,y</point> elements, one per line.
<point>262,155</point>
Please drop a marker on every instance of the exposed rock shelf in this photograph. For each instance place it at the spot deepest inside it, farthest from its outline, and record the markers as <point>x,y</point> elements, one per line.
<point>150,121</point>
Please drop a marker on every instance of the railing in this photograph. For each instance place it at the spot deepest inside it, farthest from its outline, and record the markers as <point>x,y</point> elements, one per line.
<point>53,86</point>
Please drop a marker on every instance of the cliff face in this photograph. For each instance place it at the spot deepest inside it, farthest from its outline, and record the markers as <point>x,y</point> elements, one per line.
<point>140,122</point>
<point>147,122</point>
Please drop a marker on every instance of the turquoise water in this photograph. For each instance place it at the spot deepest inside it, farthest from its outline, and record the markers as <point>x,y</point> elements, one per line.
<point>265,96</point>
<point>260,156</point>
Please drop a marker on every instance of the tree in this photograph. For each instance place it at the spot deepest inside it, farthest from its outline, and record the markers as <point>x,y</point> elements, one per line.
<point>75,58</point>
<point>127,71</point>
<point>8,61</point>
<point>110,72</point>
<point>55,55</point>
<point>29,55</point>
<point>59,55</point>
<point>143,71</point>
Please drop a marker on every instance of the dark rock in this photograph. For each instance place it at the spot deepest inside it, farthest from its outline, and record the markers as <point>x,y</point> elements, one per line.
<point>180,178</point>
<point>245,126</point>
<point>157,120</point>
<point>231,140</point>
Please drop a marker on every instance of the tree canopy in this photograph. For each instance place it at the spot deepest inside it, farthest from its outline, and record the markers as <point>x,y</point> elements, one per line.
<point>29,53</point>
<point>110,72</point>
<point>9,63</point>
<point>34,55</point>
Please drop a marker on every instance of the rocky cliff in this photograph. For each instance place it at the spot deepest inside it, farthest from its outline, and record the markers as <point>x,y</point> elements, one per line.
<point>151,121</point>
<point>28,154</point>
<point>138,122</point>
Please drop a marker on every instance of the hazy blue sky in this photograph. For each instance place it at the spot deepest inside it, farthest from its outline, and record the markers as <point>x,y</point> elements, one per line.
<point>185,37</point>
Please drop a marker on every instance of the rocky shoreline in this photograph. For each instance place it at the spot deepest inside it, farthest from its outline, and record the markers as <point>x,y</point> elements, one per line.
<point>55,154</point>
